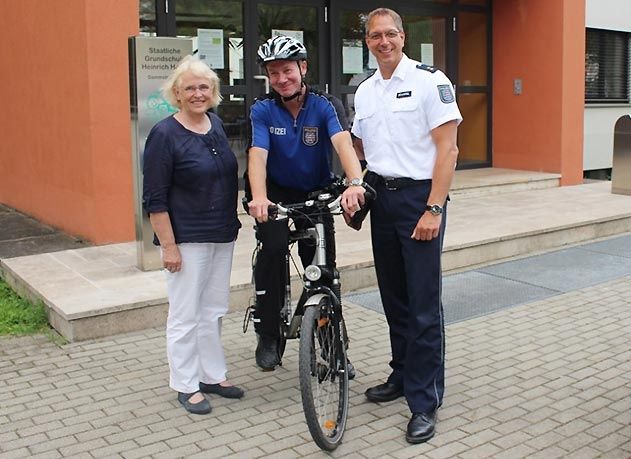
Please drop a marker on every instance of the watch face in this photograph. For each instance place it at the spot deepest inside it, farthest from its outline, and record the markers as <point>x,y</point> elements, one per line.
<point>435,209</point>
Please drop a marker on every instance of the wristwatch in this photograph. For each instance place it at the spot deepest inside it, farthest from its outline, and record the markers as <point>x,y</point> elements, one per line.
<point>434,209</point>
<point>353,182</point>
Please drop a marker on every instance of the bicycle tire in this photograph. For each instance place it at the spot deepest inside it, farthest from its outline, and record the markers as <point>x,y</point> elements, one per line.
<point>323,376</point>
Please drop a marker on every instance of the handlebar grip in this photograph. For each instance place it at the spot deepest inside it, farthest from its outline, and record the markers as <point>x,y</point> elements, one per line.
<point>272,211</point>
<point>370,193</point>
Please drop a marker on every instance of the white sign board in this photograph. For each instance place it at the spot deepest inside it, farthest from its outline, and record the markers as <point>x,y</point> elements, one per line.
<point>297,34</point>
<point>152,59</point>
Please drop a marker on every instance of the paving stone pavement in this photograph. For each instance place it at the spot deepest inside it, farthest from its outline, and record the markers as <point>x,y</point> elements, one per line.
<point>547,379</point>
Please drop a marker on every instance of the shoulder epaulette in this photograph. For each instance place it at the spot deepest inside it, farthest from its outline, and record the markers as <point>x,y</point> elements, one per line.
<point>426,67</point>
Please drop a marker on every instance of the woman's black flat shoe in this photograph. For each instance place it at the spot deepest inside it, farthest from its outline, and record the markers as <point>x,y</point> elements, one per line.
<point>222,391</point>
<point>202,407</point>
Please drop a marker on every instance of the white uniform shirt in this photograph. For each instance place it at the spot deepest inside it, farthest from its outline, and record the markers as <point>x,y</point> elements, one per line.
<point>394,119</point>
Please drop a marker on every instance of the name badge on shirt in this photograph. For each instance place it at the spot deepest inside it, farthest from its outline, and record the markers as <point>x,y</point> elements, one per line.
<point>401,95</point>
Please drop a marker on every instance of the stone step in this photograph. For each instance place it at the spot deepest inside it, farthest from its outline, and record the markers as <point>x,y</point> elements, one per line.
<point>489,181</point>
<point>97,291</point>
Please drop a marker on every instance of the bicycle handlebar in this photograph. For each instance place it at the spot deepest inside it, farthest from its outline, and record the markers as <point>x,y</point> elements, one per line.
<point>328,199</point>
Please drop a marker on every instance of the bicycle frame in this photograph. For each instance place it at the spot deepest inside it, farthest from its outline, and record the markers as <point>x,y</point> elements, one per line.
<point>293,315</point>
<point>317,320</point>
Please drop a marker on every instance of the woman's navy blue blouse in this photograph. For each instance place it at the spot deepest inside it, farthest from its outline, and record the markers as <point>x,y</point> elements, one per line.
<point>193,177</point>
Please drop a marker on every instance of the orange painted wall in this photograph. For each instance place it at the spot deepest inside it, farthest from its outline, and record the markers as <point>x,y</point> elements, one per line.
<point>542,42</point>
<point>65,145</point>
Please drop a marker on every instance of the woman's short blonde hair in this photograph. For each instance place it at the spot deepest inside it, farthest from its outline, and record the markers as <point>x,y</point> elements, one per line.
<point>191,64</point>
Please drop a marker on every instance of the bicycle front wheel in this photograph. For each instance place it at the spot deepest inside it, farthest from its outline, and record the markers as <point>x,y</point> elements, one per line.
<point>323,375</point>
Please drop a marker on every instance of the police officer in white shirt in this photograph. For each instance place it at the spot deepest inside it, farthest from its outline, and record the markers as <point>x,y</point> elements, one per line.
<point>406,121</point>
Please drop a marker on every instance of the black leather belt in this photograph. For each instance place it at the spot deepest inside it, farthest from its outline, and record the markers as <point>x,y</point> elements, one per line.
<point>396,183</point>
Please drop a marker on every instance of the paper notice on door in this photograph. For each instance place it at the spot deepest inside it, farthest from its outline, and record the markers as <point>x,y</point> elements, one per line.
<point>297,34</point>
<point>352,57</point>
<point>427,53</point>
<point>372,62</point>
<point>210,47</point>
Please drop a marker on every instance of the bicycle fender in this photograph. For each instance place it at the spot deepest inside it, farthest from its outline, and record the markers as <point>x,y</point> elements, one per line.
<point>314,300</point>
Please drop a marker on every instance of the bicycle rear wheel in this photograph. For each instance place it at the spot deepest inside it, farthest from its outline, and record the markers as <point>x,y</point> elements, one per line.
<point>323,376</point>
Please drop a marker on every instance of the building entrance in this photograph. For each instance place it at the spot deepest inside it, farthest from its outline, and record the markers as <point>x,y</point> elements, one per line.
<point>452,35</point>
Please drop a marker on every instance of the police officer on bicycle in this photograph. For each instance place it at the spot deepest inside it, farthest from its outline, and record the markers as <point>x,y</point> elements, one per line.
<point>294,129</point>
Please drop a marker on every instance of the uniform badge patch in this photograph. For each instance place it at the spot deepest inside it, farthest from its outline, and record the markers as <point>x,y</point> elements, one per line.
<point>401,95</point>
<point>445,93</point>
<point>310,136</point>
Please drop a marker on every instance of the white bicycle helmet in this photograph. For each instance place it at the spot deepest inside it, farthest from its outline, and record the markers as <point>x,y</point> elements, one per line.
<point>281,48</point>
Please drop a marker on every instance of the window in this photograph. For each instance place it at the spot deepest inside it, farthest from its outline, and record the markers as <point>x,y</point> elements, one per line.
<point>147,17</point>
<point>606,66</point>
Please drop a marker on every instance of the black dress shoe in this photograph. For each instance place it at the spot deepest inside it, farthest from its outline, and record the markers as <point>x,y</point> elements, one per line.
<point>222,391</point>
<point>267,353</point>
<point>385,392</point>
<point>421,427</point>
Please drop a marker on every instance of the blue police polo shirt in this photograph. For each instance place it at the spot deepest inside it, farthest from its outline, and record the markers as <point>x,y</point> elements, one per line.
<point>299,150</point>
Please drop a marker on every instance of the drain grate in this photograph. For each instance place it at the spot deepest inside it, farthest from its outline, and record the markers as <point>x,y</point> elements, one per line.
<point>489,289</point>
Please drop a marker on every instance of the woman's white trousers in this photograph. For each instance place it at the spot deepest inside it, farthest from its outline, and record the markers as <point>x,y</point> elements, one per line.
<point>198,299</point>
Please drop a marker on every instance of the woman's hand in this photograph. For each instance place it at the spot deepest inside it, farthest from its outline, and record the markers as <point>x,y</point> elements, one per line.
<point>171,258</point>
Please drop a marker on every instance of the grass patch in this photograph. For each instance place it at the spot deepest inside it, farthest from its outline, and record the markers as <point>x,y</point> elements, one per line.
<point>19,316</point>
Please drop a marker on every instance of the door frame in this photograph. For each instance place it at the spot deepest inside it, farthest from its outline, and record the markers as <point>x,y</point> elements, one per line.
<point>403,7</point>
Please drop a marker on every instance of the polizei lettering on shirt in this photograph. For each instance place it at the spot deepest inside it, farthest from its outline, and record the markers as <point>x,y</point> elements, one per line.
<point>277,130</point>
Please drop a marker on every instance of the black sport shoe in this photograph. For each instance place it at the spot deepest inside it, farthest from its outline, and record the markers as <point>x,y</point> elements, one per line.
<point>267,353</point>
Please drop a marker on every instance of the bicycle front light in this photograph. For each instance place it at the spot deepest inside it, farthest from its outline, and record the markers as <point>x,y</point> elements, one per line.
<point>313,273</point>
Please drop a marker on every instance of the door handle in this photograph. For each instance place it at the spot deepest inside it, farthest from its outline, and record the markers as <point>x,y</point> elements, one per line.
<point>265,81</point>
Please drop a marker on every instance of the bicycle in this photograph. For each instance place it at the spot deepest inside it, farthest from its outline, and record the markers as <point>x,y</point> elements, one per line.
<point>316,320</point>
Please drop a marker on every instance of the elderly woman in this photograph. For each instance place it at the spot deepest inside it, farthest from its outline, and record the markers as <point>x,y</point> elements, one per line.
<point>190,193</point>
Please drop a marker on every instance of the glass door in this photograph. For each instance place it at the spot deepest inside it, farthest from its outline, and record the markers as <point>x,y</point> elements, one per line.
<point>452,35</point>
<point>227,34</point>
<point>473,89</point>
<point>426,38</point>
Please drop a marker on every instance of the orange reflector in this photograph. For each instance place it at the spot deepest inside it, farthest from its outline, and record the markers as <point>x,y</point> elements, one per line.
<point>322,322</point>
<point>329,425</point>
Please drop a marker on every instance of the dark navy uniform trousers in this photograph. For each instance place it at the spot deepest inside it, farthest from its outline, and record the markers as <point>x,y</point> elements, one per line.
<point>409,278</point>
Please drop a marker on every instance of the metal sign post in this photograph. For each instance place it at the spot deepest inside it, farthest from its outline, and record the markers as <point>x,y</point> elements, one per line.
<point>151,61</point>
<point>621,167</point>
